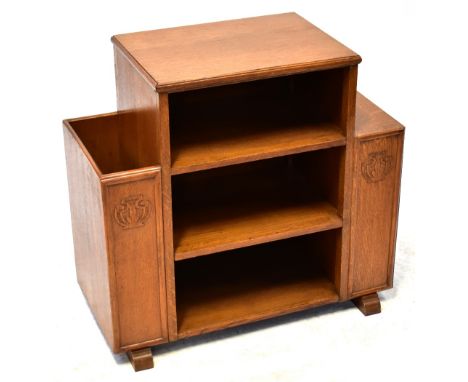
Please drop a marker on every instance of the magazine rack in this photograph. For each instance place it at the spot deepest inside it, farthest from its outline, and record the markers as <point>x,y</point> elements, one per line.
<point>241,178</point>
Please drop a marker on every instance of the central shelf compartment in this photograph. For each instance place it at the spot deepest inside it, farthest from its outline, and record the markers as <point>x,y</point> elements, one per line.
<point>253,203</point>
<point>254,283</point>
<point>262,119</point>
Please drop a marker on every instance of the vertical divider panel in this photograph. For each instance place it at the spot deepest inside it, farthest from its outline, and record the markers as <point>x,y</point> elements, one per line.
<point>347,121</point>
<point>163,129</point>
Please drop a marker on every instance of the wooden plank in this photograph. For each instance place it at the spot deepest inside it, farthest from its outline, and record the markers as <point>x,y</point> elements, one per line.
<point>165,147</point>
<point>215,229</point>
<point>347,119</point>
<point>196,56</point>
<point>206,148</point>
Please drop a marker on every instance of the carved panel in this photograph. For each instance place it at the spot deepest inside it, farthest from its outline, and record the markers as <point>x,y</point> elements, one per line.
<point>132,211</point>
<point>377,166</point>
<point>375,209</point>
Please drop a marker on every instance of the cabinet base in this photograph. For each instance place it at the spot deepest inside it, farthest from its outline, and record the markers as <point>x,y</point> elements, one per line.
<point>368,304</point>
<point>141,359</point>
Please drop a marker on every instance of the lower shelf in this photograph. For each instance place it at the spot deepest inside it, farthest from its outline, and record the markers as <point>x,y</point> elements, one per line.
<point>241,286</point>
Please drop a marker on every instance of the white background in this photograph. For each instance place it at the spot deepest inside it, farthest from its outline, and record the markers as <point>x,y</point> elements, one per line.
<point>56,62</point>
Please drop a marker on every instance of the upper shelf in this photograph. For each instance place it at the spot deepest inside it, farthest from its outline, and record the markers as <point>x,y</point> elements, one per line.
<point>196,56</point>
<point>209,147</point>
<point>244,122</point>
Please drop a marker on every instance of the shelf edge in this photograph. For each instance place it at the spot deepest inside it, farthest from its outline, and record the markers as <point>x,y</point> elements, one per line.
<point>338,223</point>
<point>179,170</point>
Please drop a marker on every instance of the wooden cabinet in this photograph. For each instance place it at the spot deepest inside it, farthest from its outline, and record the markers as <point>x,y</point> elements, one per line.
<point>241,178</point>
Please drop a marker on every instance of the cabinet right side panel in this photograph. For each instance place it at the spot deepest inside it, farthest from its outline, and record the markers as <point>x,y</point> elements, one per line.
<point>374,213</point>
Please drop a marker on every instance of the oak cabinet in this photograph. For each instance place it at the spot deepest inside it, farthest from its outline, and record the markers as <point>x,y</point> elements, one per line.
<point>242,177</point>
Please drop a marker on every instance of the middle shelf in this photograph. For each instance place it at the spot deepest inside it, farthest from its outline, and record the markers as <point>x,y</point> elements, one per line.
<point>248,204</point>
<point>213,230</point>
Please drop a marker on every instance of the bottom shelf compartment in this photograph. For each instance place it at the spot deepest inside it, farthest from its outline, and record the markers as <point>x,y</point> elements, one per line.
<point>245,285</point>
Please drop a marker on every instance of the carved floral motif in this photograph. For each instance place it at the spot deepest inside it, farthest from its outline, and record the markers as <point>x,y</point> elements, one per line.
<point>132,211</point>
<point>377,166</point>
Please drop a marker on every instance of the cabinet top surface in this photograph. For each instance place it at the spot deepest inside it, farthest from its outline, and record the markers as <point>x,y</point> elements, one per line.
<point>371,121</point>
<point>196,56</point>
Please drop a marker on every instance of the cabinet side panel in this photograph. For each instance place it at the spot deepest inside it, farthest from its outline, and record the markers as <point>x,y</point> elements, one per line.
<point>91,259</point>
<point>134,225</point>
<point>375,209</point>
<point>138,101</point>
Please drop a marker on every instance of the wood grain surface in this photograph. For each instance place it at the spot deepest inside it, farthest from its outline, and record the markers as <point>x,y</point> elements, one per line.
<point>250,143</point>
<point>134,231</point>
<point>373,121</point>
<point>375,204</point>
<point>196,56</point>
<point>148,125</point>
<point>89,239</point>
<point>212,230</point>
<point>376,193</point>
<point>346,176</point>
<point>117,219</point>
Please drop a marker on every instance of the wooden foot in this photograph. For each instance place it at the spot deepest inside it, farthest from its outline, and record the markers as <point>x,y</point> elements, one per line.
<point>141,359</point>
<point>368,304</point>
